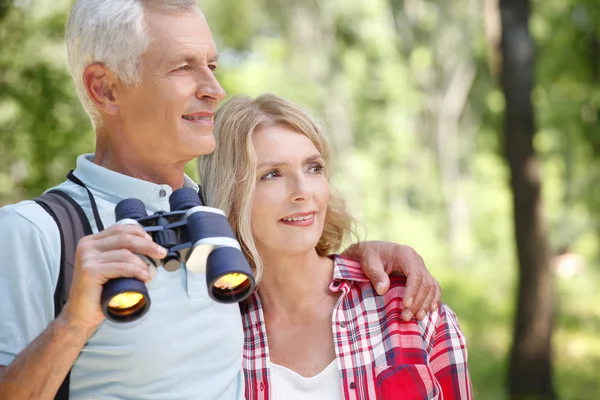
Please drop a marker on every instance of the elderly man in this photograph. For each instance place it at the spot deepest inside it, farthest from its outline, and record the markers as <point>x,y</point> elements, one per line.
<point>143,71</point>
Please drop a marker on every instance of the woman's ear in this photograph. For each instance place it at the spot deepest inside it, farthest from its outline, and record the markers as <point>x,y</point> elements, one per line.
<point>100,82</point>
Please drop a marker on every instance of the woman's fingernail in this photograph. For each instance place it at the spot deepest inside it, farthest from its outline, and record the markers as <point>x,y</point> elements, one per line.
<point>407,316</point>
<point>409,302</point>
<point>421,314</point>
<point>379,287</point>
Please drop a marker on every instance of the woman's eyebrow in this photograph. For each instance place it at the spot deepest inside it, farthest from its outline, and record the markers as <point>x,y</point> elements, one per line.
<point>313,158</point>
<point>273,164</point>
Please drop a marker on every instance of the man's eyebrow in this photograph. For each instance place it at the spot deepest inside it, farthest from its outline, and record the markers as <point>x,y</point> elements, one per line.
<point>193,58</point>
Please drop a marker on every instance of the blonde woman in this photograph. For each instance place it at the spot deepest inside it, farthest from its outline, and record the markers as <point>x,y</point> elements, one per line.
<point>316,328</point>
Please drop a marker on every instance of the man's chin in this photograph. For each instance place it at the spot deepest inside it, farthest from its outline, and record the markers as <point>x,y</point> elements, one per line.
<point>204,146</point>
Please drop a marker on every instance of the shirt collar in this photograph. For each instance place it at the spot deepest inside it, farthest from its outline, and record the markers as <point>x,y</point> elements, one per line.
<point>345,270</point>
<point>113,184</point>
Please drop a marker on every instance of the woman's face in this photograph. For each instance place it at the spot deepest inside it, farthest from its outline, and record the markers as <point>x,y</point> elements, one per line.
<point>292,192</point>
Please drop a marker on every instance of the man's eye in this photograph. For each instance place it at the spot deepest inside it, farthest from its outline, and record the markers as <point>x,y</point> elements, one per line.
<point>212,67</point>
<point>184,68</point>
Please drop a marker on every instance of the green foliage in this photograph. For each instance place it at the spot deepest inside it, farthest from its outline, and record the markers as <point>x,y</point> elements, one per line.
<point>42,126</point>
<point>416,164</point>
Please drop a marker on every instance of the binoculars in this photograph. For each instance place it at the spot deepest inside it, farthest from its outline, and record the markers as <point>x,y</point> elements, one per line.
<point>198,236</point>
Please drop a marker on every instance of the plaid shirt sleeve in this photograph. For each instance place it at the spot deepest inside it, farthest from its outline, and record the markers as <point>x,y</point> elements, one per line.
<point>384,357</point>
<point>448,356</point>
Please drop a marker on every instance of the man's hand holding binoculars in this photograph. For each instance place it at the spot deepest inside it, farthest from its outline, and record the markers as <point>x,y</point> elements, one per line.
<point>112,253</point>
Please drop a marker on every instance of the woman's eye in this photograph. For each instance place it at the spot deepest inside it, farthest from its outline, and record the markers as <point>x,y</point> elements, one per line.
<point>270,175</point>
<point>317,169</point>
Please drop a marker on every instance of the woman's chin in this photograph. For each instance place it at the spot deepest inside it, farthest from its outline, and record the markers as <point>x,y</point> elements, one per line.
<point>299,249</point>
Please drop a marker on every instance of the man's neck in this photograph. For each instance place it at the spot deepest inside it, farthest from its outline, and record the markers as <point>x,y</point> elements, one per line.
<point>130,163</point>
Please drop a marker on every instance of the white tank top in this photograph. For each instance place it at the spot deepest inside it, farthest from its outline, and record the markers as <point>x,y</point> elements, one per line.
<point>289,385</point>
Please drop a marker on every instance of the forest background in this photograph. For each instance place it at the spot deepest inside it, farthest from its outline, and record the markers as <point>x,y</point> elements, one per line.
<point>467,129</point>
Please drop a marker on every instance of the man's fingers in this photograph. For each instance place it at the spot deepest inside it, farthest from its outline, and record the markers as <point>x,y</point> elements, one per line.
<point>417,303</point>
<point>135,244</point>
<point>121,255</point>
<point>113,270</point>
<point>437,298</point>
<point>116,229</point>
<point>376,273</point>
<point>426,307</point>
<point>383,284</point>
<point>413,284</point>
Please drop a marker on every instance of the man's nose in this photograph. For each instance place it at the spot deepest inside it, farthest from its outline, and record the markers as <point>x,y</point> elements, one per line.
<point>209,87</point>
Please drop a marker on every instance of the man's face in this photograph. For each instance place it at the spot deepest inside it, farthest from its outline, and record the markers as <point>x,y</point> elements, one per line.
<point>168,116</point>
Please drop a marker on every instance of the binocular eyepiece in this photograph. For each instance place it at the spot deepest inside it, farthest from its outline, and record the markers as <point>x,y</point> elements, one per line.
<point>198,236</point>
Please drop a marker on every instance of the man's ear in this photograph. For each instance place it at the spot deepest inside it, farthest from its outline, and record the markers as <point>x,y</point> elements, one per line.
<point>100,84</point>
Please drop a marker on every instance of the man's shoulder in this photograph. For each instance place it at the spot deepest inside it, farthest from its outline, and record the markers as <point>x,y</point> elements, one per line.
<point>27,218</point>
<point>29,238</point>
<point>26,212</point>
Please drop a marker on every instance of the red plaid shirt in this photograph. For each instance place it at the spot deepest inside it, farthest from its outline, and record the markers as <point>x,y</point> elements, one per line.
<point>379,355</point>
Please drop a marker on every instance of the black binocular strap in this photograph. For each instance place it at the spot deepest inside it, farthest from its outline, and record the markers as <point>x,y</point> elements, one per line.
<point>71,176</point>
<point>72,224</point>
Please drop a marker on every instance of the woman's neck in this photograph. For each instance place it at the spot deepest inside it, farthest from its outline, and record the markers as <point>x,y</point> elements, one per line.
<point>295,284</point>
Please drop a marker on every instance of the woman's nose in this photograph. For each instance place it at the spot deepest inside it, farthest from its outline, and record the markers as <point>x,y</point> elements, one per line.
<point>301,189</point>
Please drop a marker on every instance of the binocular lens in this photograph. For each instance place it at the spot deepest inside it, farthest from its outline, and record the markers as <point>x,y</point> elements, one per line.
<point>228,275</point>
<point>230,281</point>
<point>231,288</point>
<point>125,299</point>
<point>127,307</point>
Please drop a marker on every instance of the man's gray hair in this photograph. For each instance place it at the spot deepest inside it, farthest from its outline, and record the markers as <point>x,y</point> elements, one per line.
<point>111,32</point>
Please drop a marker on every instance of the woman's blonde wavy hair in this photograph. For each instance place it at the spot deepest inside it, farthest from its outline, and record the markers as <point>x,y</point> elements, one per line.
<point>228,175</point>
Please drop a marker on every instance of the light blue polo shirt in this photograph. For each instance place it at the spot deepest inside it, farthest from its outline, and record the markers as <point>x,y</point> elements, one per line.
<point>186,347</point>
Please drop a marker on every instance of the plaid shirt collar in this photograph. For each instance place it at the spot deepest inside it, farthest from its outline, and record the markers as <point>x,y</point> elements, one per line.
<point>345,269</point>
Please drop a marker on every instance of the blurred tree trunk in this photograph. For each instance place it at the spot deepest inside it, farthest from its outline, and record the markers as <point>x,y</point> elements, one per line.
<point>530,375</point>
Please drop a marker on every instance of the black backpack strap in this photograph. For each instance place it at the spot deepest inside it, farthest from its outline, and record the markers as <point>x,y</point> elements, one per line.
<point>72,224</point>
